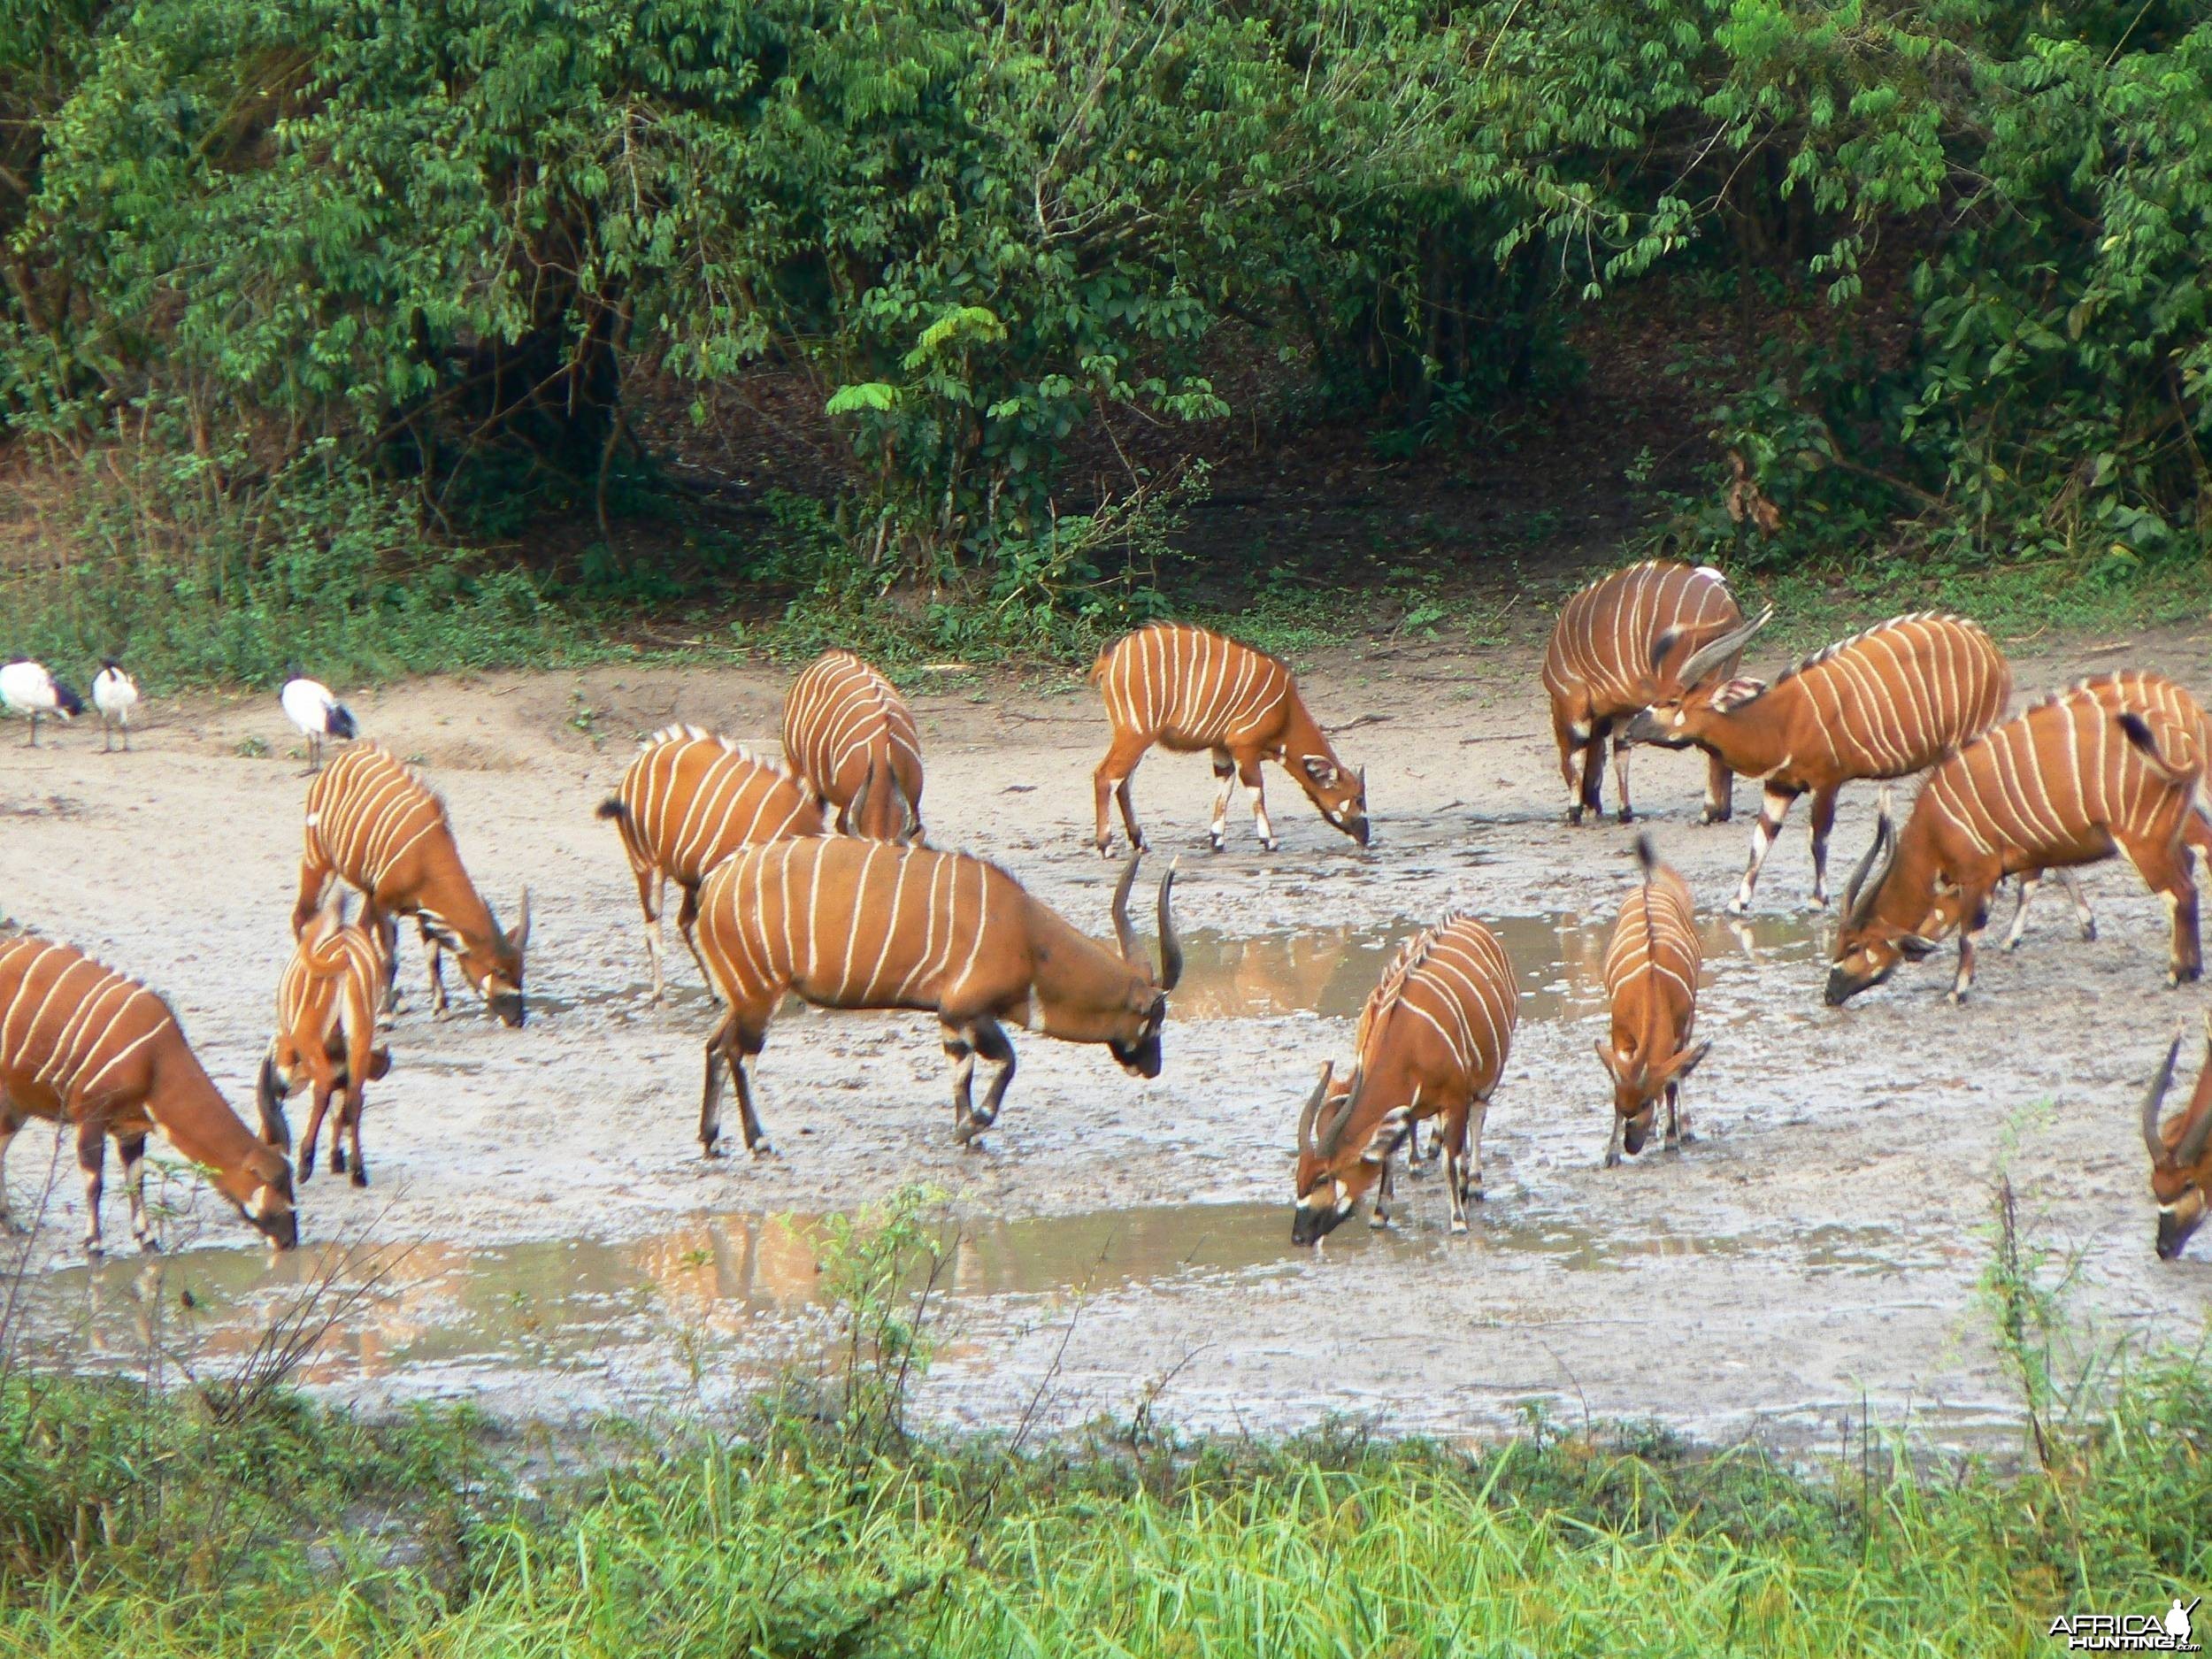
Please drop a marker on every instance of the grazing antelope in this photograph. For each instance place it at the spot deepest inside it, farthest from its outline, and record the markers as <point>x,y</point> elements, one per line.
<point>373,824</point>
<point>114,694</point>
<point>856,924</point>
<point>1883,704</point>
<point>325,1037</point>
<point>2068,781</point>
<point>82,1044</point>
<point>1617,647</point>
<point>1188,689</point>
<point>310,706</point>
<point>1651,973</point>
<point>27,688</point>
<point>688,802</point>
<point>1432,1042</point>
<point>2181,1151</point>
<point>847,730</point>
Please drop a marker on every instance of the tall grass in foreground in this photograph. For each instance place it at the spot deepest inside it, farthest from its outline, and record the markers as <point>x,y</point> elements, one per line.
<point>136,1523</point>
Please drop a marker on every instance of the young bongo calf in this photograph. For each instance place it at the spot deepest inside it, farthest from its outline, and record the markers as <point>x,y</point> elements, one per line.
<point>325,1036</point>
<point>2181,1151</point>
<point>1651,971</point>
<point>1432,1042</point>
<point>1188,689</point>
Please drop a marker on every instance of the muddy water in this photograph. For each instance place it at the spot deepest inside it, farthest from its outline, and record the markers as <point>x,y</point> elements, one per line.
<point>1560,958</point>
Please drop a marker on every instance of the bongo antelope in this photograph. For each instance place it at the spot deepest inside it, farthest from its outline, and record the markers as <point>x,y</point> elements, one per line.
<point>114,694</point>
<point>1188,689</point>
<point>1883,704</point>
<point>855,924</point>
<point>688,802</point>
<point>27,688</point>
<point>847,730</point>
<point>1606,662</point>
<point>2068,781</point>
<point>2118,693</point>
<point>309,705</point>
<point>83,1046</point>
<point>373,824</point>
<point>327,1037</point>
<point>1651,973</point>
<point>2181,1151</point>
<point>1432,1042</point>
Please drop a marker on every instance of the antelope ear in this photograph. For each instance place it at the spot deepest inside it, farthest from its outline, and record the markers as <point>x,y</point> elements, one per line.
<point>1396,1123</point>
<point>1913,948</point>
<point>1686,1061</point>
<point>1612,1062</point>
<point>519,935</point>
<point>1321,769</point>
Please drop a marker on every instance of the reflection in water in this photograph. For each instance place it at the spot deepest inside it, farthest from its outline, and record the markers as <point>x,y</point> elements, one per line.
<point>1329,970</point>
<point>751,1281</point>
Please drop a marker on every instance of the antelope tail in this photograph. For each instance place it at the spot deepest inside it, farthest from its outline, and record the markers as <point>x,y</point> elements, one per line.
<point>2139,732</point>
<point>612,808</point>
<point>1647,858</point>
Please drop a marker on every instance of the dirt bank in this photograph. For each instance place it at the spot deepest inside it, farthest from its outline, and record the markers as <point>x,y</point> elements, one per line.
<point>1822,1238</point>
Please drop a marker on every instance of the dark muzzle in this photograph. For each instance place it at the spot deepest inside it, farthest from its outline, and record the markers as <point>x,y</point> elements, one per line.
<point>508,1006</point>
<point>1843,985</point>
<point>2173,1234</point>
<point>1310,1226</point>
<point>1142,1057</point>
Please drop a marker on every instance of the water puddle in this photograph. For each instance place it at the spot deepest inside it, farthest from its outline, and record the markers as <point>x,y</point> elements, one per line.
<point>1559,957</point>
<point>428,1312</point>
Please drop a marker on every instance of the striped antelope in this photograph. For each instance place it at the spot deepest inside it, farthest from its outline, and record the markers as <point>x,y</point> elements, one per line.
<point>2068,781</point>
<point>1884,704</point>
<point>373,824</point>
<point>855,924</point>
<point>1188,689</point>
<point>82,1044</point>
<point>849,733</point>
<point>1617,647</point>
<point>326,1038</point>
<point>2128,688</point>
<point>688,802</point>
<point>1651,973</point>
<point>1432,1042</point>
<point>2181,1151</point>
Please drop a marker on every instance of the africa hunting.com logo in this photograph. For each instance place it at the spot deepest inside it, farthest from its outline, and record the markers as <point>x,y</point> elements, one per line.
<point>2130,1633</point>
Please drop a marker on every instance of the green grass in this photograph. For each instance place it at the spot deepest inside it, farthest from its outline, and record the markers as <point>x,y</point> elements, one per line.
<point>199,1525</point>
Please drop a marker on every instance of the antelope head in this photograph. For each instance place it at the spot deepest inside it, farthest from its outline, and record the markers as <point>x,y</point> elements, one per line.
<point>2181,1151</point>
<point>1686,703</point>
<point>259,1185</point>
<point>495,966</point>
<point>1344,1140</point>
<point>1134,1038</point>
<point>1339,791</point>
<point>1871,943</point>
<point>1639,1082</point>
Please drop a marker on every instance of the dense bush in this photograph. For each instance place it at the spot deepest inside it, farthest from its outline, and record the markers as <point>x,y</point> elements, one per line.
<point>442,241</point>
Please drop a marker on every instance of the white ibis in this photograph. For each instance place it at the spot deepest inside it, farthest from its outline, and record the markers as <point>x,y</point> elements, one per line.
<point>310,706</point>
<point>27,688</point>
<point>115,693</point>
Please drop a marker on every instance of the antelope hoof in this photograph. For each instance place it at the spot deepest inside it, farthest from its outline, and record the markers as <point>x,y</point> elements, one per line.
<point>338,1160</point>
<point>1574,815</point>
<point>1738,907</point>
<point>2089,933</point>
<point>1721,817</point>
<point>1270,845</point>
<point>360,1176</point>
<point>93,1247</point>
<point>306,1171</point>
<point>2012,944</point>
<point>149,1243</point>
<point>1956,996</point>
<point>1625,815</point>
<point>1213,840</point>
<point>761,1149</point>
<point>1817,902</point>
<point>966,1130</point>
<point>1612,1157</point>
<point>1459,1224</point>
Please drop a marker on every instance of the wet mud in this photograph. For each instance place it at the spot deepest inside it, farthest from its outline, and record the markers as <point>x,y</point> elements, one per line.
<point>545,1237</point>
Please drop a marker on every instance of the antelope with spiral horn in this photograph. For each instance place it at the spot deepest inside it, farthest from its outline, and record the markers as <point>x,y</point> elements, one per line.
<point>2181,1151</point>
<point>1618,647</point>
<point>1651,973</point>
<point>853,924</point>
<point>85,1047</point>
<point>1432,1042</point>
<point>687,801</point>
<point>375,826</point>
<point>2067,782</point>
<point>1882,705</point>
<point>1187,689</point>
